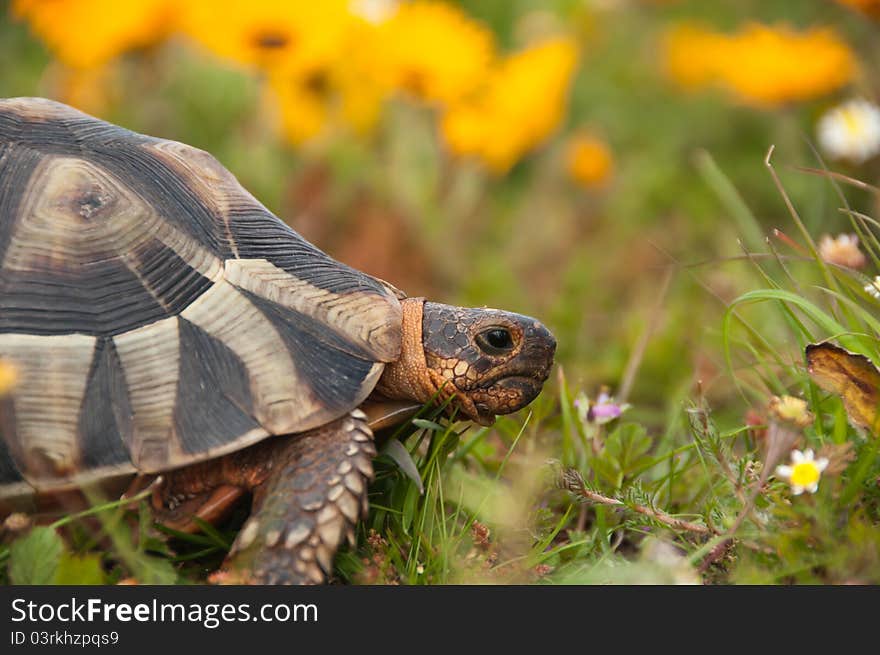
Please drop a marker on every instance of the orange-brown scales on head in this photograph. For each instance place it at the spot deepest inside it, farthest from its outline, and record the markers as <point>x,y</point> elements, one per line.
<point>162,321</point>
<point>492,362</point>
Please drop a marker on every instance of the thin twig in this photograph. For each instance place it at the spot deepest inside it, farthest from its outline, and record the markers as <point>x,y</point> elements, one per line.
<point>572,481</point>
<point>839,176</point>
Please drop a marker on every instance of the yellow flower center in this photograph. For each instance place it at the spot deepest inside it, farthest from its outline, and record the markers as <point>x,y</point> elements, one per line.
<point>271,39</point>
<point>805,474</point>
<point>851,121</point>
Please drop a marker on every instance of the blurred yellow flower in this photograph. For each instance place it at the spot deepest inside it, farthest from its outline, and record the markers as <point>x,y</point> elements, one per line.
<point>309,104</point>
<point>692,54</point>
<point>269,33</point>
<point>768,65</point>
<point>869,7</point>
<point>304,103</point>
<point>433,51</point>
<point>762,65</point>
<point>89,33</point>
<point>316,57</point>
<point>520,105</point>
<point>588,160</point>
<point>342,91</point>
<point>360,100</point>
<point>8,377</point>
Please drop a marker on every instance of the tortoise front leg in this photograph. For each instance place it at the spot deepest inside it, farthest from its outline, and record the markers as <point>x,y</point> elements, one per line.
<point>312,499</point>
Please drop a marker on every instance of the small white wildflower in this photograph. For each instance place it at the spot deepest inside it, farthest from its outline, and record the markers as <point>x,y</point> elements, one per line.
<point>804,472</point>
<point>873,287</point>
<point>850,131</point>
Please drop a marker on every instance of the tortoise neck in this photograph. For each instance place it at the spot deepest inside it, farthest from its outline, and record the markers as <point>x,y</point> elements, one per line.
<point>409,377</point>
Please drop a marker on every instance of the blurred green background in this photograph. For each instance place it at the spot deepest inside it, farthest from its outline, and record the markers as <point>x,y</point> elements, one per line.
<point>594,163</point>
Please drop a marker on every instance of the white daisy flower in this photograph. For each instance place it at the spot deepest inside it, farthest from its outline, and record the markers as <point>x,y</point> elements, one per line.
<point>850,131</point>
<point>804,472</point>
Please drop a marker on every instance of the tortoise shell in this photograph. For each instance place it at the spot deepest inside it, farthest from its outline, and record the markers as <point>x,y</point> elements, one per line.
<point>157,313</point>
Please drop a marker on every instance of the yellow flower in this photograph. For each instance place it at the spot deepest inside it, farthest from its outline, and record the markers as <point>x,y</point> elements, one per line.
<point>316,55</point>
<point>433,51</point>
<point>768,64</point>
<point>804,473</point>
<point>518,108</point>
<point>589,160</point>
<point>342,91</point>
<point>762,65</point>
<point>692,54</point>
<point>361,92</point>
<point>269,33</point>
<point>8,377</point>
<point>303,101</point>
<point>89,33</point>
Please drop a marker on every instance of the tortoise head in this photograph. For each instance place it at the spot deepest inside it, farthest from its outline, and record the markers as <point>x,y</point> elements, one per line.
<point>492,362</point>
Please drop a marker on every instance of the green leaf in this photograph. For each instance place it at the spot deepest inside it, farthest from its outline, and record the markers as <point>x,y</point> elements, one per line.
<point>154,570</point>
<point>34,558</point>
<point>824,320</point>
<point>213,533</point>
<point>425,424</point>
<point>629,445</point>
<point>79,570</point>
<point>396,451</point>
<point>410,505</point>
<point>607,469</point>
<point>447,446</point>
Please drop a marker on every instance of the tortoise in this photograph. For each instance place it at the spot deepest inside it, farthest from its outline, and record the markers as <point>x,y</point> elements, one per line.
<point>164,323</point>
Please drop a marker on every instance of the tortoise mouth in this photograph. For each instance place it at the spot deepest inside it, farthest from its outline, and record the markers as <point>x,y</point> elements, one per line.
<point>519,377</point>
<point>484,416</point>
<point>513,381</point>
<point>509,389</point>
<point>527,387</point>
<point>507,394</point>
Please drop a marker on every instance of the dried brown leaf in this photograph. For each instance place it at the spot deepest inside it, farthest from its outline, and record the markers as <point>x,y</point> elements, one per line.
<point>851,376</point>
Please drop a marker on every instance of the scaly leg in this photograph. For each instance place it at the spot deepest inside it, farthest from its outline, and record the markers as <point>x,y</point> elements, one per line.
<point>311,500</point>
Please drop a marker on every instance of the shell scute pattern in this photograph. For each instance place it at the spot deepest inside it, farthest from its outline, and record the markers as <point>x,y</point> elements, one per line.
<point>158,314</point>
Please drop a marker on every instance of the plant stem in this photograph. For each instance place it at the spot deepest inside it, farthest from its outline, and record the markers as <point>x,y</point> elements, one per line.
<point>573,482</point>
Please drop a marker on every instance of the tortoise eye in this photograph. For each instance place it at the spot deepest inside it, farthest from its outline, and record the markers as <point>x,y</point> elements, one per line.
<point>495,341</point>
